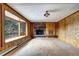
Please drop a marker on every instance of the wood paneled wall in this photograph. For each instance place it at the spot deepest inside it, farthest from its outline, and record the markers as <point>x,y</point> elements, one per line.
<point>51,27</point>
<point>17,42</point>
<point>0,26</point>
<point>30,29</point>
<point>69,29</point>
<point>4,45</point>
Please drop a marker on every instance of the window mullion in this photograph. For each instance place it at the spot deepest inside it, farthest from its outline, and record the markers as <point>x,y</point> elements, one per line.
<point>19,27</point>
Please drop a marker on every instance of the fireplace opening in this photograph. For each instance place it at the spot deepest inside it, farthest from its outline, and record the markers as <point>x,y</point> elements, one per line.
<point>39,32</point>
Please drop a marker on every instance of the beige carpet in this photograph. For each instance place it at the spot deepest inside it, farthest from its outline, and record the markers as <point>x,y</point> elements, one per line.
<point>47,47</point>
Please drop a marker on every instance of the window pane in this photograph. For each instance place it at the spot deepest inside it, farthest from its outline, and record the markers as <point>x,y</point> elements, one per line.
<point>22,28</point>
<point>11,27</point>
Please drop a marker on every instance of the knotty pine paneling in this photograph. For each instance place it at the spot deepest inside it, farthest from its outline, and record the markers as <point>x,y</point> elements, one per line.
<point>69,29</point>
<point>50,27</point>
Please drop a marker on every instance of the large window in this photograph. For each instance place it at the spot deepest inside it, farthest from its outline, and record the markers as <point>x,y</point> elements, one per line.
<point>11,27</point>
<point>22,28</point>
<point>14,26</point>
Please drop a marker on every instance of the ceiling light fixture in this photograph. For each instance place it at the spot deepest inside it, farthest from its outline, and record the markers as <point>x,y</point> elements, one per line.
<point>46,14</point>
<point>54,10</point>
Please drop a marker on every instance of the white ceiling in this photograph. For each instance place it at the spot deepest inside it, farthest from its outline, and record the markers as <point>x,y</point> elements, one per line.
<point>35,12</point>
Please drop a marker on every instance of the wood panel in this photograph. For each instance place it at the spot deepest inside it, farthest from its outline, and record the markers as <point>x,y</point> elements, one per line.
<point>0,25</point>
<point>69,29</point>
<point>50,27</point>
<point>53,28</point>
<point>4,45</point>
<point>56,28</point>
<point>17,42</point>
<point>30,29</point>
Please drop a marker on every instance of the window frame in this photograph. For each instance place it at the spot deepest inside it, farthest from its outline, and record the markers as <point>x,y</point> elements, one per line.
<point>19,21</point>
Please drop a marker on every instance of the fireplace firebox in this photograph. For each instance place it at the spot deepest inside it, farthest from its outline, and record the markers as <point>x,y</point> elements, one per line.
<point>39,32</point>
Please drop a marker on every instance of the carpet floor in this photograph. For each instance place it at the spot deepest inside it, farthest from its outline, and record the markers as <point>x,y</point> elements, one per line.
<point>47,47</point>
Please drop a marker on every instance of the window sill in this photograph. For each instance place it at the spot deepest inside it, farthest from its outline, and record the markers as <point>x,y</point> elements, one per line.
<point>12,39</point>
